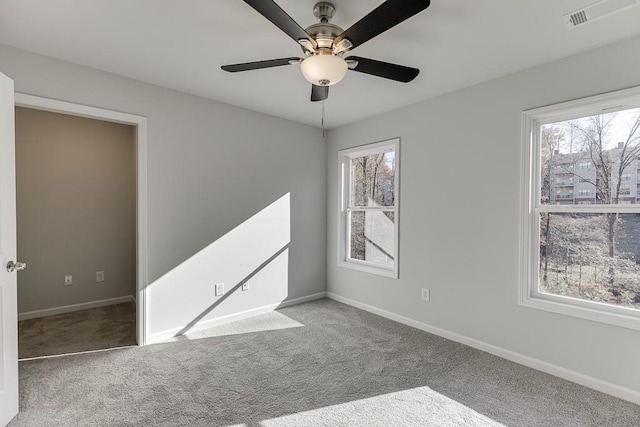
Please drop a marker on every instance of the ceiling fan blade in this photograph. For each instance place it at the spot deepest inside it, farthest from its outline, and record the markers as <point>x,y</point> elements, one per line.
<point>386,70</point>
<point>319,93</point>
<point>270,10</point>
<point>387,15</point>
<point>259,64</point>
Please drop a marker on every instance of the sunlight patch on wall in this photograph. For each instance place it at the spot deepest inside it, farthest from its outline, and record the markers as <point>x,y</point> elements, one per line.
<point>256,250</point>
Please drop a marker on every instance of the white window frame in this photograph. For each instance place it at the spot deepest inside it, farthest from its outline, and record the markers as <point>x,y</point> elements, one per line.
<point>529,296</point>
<point>344,157</point>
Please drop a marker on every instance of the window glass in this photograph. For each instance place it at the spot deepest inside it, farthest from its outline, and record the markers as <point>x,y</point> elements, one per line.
<point>372,237</point>
<point>372,180</point>
<point>591,256</point>
<point>589,151</point>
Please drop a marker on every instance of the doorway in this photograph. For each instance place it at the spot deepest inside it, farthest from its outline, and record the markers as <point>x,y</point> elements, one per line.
<point>91,263</point>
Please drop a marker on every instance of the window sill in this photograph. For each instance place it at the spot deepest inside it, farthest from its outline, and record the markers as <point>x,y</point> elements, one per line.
<point>592,312</point>
<point>369,269</point>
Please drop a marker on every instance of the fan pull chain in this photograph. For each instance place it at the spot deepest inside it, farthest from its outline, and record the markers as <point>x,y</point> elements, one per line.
<point>322,122</point>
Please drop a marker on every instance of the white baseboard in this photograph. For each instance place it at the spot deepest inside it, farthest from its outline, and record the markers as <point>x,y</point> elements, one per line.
<point>210,323</point>
<point>567,374</point>
<point>302,300</point>
<point>74,307</point>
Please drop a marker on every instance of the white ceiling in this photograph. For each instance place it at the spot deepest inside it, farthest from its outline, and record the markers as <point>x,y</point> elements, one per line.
<point>181,44</point>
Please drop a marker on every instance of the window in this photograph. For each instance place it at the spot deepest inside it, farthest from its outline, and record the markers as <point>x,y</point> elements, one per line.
<point>583,259</point>
<point>369,208</point>
<point>584,165</point>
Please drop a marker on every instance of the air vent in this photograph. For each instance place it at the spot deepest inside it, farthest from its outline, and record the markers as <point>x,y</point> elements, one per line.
<point>596,11</point>
<point>578,18</point>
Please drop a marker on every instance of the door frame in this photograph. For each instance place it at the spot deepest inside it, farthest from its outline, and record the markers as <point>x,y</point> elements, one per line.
<point>140,124</point>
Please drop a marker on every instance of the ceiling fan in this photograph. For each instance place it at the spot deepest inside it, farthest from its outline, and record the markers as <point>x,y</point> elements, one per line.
<point>325,44</point>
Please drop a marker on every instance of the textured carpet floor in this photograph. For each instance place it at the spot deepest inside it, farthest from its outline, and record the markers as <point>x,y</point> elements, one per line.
<point>316,364</point>
<point>84,330</point>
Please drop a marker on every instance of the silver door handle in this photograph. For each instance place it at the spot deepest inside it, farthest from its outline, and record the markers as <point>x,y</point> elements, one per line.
<point>15,266</point>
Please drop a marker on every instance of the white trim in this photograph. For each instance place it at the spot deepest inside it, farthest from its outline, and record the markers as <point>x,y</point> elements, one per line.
<point>302,300</point>
<point>368,148</point>
<point>606,103</point>
<point>558,371</point>
<point>141,241</point>
<point>368,268</point>
<point>140,123</point>
<point>344,156</point>
<point>210,323</point>
<point>589,310</point>
<point>77,353</point>
<point>530,208</point>
<point>54,105</point>
<point>73,307</point>
<point>619,208</point>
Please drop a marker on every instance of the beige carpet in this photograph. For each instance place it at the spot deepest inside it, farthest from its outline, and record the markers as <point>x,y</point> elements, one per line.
<point>84,330</point>
<point>316,364</point>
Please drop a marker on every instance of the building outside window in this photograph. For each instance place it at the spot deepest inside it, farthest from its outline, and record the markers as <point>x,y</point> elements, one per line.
<point>583,259</point>
<point>368,225</point>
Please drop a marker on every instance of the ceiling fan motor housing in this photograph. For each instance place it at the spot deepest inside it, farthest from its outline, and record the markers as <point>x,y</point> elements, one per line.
<point>324,67</point>
<point>324,34</point>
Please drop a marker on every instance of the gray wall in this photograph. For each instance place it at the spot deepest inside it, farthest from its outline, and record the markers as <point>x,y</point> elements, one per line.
<point>76,211</point>
<point>211,167</point>
<point>459,214</point>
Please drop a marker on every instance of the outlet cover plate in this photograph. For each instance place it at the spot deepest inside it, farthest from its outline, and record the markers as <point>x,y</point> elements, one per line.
<point>68,280</point>
<point>219,289</point>
<point>99,276</point>
<point>426,294</point>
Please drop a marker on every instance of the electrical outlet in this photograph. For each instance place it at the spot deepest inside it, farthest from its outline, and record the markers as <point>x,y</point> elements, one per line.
<point>426,294</point>
<point>245,286</point>
<point>99,276</point>
<point>219,289</point>
<point>68,280</point>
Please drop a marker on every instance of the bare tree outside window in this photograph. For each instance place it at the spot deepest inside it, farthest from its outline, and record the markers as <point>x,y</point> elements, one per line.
<point>592,160</point>
<point>372,186</point>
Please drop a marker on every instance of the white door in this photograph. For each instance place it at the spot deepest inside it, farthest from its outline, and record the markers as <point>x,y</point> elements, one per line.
<point>8,282</point>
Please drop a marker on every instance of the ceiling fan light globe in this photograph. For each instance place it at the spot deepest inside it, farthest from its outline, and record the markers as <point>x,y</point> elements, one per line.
<point>324,70</point>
